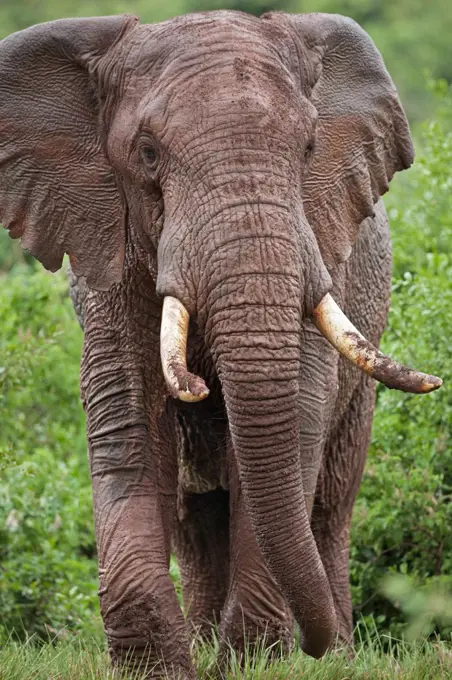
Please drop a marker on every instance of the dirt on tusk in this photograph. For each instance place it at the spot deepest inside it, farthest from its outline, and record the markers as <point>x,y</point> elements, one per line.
<point>342,334</point>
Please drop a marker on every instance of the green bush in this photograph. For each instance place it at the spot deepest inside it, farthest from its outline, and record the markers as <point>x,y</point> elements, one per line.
<point>47,574</point>
<point>12,255</point>
<point>403,517</point>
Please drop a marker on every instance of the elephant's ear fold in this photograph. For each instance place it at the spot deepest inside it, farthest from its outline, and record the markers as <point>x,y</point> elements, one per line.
<point>362,135</point>
<point>57,189</point>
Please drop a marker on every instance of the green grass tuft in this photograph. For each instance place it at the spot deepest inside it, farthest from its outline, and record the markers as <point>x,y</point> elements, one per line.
<point>75,660</point>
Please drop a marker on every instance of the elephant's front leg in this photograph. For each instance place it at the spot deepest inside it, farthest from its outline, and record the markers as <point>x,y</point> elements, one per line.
<point>143,621</point>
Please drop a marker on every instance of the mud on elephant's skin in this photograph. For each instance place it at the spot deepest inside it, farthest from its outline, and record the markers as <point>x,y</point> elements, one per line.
<point>232,167</point>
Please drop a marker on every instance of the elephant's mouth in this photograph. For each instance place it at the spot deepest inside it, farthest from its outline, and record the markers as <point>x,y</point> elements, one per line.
<point>331,322</point>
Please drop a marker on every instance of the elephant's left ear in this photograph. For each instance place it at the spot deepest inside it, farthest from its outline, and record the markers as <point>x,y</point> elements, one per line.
<point>362,135</point>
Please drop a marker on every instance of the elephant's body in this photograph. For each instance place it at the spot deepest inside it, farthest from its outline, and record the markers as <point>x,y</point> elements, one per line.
<point>186,447</point>
<point>227,170</point>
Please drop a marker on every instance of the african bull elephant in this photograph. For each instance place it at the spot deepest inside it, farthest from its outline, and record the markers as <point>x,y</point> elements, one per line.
<point>217,176</point>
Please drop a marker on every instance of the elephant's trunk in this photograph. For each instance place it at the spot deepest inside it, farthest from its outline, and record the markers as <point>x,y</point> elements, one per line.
<point>260,383</point>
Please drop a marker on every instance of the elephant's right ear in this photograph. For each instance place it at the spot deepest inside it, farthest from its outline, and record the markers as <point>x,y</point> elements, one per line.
<point>57,188</point>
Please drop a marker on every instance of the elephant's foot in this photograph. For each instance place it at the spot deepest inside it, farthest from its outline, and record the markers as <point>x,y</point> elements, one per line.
<point>148,640</point>
<point>141,659</point>
<point>142,663</point>
<point>203,608</point>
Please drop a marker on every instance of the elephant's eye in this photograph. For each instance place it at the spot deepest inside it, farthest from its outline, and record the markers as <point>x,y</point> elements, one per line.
<point>149,156</point>
<point>309,150</point>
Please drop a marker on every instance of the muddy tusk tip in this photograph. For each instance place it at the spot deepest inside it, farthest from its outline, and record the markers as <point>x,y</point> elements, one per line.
<point>430,384</point>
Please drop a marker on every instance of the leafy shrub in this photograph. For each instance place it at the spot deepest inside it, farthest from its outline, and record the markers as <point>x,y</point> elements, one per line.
<point>47,576</point>
<point>425,605</point>
<point>420,199</point>
<point>403,517</point>
<point>12,255</point>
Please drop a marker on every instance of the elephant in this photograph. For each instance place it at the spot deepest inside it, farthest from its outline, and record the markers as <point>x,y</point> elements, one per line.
<point>216,181</point>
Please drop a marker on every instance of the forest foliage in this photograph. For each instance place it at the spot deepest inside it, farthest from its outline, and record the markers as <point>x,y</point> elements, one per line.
<point>403,517</point>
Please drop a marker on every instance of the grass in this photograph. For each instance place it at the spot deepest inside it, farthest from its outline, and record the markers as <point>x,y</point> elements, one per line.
<point>381,659</point>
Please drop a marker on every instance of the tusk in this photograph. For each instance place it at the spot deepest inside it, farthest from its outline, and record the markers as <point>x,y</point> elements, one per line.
<point>334,325</point>
<point>173,352</point>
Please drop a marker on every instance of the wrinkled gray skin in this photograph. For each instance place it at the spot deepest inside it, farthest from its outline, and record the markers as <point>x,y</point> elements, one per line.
<point>234,163</point>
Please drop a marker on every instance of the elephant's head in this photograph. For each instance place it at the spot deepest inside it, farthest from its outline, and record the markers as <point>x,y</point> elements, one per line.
<point>242,155</point>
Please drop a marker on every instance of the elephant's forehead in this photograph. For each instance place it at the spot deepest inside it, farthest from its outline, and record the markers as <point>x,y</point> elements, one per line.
<point>200,70</point>
<point>200,47</point>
